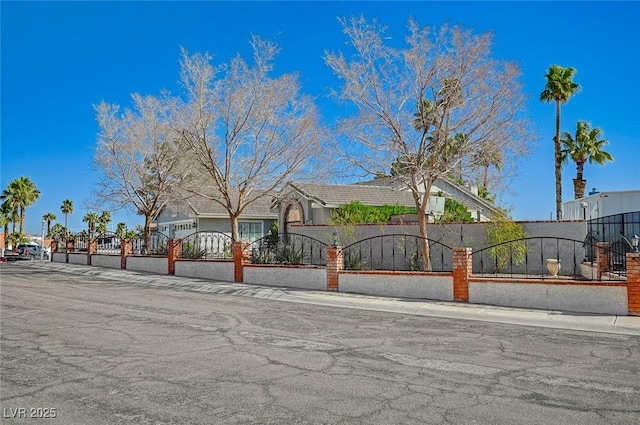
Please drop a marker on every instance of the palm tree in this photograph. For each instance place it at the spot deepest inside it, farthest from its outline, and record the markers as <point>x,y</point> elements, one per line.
<point>21,193</point>
<point>49,217</point>
<point>5,219</point>
<point>103,222</point>
<point>559,88</point>
<point>66,208</point>
<point>587,146</point>
<point>91,219</point>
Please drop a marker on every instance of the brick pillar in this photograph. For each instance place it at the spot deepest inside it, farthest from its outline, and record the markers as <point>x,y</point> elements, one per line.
<point>54,247</point>
<point>462,268</point>
<point>601,258</point>
<point>633,283</point>
<point>92,248</point>
<point>174,251</point>
<point>335,264</point>
<point>126,249</point>
<point>241,255</point>
<point>69,248</point>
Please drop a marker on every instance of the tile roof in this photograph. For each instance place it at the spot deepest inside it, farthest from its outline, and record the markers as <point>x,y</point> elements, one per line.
<point>336,195</point>
<point>204,207</point>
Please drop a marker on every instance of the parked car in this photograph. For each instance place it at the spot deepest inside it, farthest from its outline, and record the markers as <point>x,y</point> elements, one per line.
<point>31,251</point>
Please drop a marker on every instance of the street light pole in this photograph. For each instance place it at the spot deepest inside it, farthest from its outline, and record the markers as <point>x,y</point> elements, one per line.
<point>42,242</point>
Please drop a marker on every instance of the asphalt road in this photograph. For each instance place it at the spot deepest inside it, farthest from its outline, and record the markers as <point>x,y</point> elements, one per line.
<point>111,349</point>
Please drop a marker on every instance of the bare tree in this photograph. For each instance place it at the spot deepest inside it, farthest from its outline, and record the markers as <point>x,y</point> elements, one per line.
<point>248,131</point>
<point>136,153</point>
<point>428,107</point>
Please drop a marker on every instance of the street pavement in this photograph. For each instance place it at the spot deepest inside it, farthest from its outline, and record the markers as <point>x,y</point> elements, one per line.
<point>629,325</point>
<point>99,346</point>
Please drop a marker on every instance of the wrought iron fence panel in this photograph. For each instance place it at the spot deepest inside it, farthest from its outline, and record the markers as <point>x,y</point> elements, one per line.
<point>616,254</point>
<point>396,252</point>
<point>157,244</point>
<point>80,241</point>
<point>108,243</point>
<point>532,257</point>
<point>289,248</point>
<point>589,245</point>
<point>611,226</point>
<point>207,245</point>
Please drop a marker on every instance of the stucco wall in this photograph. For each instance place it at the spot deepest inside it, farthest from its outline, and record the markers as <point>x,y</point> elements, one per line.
<point>109,261</point>
<point>78,258</point>
<point>454,235</point>
<point>59,257</point>
<point>433,287</point>
<point>148,264</point>
<point>291,277</point>
<point>565,297</point>
<point>214,270</point>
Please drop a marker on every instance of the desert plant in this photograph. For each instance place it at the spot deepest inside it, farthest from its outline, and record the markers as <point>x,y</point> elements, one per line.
<point>507,245</point>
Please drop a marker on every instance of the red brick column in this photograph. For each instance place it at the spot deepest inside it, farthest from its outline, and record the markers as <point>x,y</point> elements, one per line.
<point>69,248</point>
<point>241,255</point>
<point>462,268</point>
<point>174,251</point>
<point>126,249</point>
<point>633,283</point>
<point>92,248</point>
<point>601,258</point>
<point>54,247</point>
<point>335,264</point>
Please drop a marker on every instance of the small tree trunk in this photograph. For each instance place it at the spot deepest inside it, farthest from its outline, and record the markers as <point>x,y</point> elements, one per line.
<point>235,234</point>
<point>147,231</point>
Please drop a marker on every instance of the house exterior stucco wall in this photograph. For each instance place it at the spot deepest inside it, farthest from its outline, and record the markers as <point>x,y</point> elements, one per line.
<point>453,235</point>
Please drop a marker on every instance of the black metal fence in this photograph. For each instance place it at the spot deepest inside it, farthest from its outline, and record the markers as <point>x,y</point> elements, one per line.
<point>289,248</point>
<point>156,244</point>
<point>397,252</point>
<point>616,253</point>
<point>609,227</point>
<point>108,243</point>
<point>550,258</point>
<point>207,245</point>
<point>80,241</point>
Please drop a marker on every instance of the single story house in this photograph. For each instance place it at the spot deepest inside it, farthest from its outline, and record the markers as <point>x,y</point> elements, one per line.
<point>305,203</point>
<point>181,218</point>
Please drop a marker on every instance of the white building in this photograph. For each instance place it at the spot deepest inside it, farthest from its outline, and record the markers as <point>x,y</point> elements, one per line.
<point>602,204</point>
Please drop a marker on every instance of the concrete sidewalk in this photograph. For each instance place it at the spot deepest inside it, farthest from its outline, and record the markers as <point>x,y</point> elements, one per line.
<point>627,325</point>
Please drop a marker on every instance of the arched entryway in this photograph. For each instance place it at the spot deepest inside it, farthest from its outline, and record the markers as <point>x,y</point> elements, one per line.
<point>293,214</point>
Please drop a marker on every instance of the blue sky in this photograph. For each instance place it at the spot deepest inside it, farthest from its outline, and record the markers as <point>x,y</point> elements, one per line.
<point>58,59</point>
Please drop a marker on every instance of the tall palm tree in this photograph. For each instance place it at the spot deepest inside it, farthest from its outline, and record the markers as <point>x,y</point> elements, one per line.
<point>586,146</point>
<point>91,219</point>
<point>559,88</point>
<point>66,208</point>
<point>49,217</point>
<point>20,194</point>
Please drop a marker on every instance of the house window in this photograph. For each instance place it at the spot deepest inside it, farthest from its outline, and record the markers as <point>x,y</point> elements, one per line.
<point>250,230</point>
